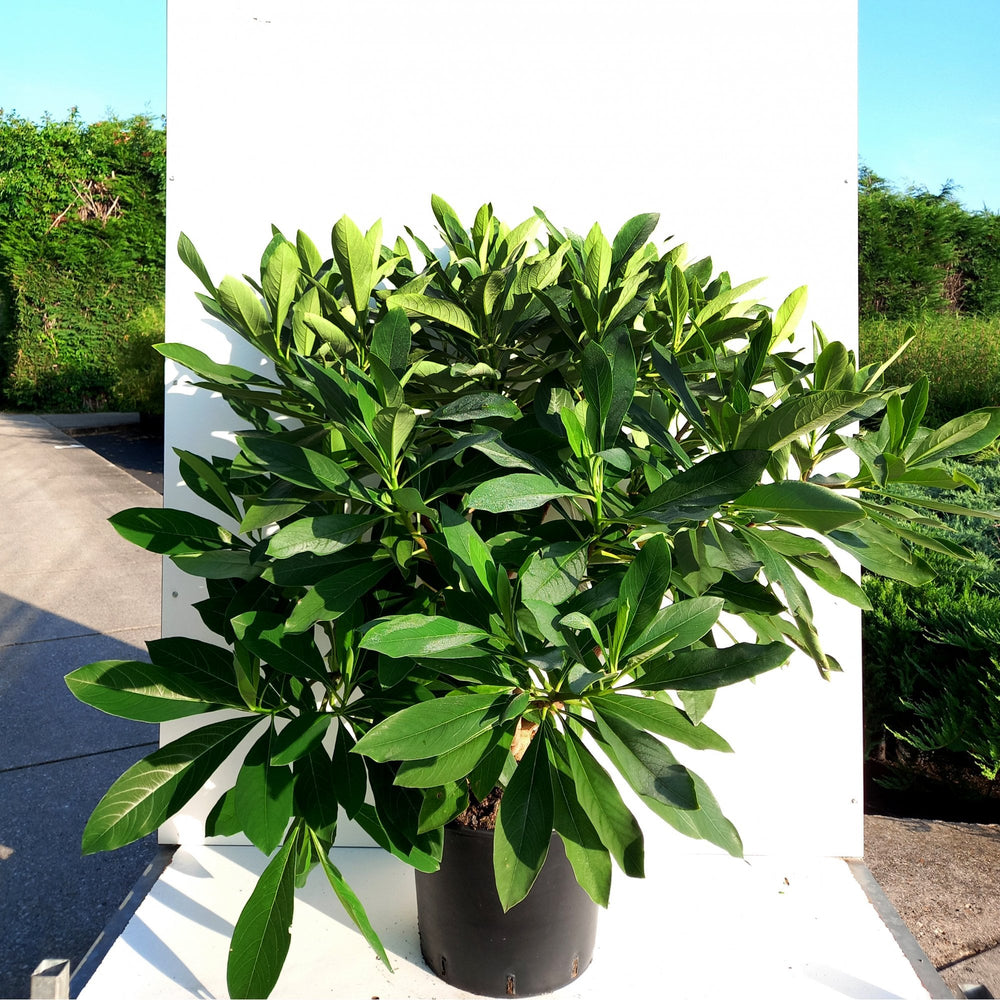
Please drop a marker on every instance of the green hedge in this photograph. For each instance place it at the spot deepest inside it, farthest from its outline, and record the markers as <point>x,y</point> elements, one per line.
<point>920,252</point>
<point>82,225</point>
<point>932,653</point>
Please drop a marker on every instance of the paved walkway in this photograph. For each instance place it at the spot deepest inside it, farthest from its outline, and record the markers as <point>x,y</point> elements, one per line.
<point>71,592</point>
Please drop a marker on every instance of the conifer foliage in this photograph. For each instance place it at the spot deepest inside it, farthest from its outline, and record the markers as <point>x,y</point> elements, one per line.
<point>82,210</point>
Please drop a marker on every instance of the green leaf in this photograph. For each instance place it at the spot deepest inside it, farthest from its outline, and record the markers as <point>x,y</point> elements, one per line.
<point>192,259</point>
<point>672,374</point>
<point>293,463</point>
<point>796,417</point>
<point>787,316</point>
<point>410,854</point>
<point>697,493</point>
<point>432,728</point>
<point>597,260</point>
<point>279,282</point>
<point>262,795</point>
<point>323,535</point>
<point>242,305</point>
<point>442,804</point>
<point>598,385</point>
<point>156,787</point>
<point>447,767</point>
<point>423,635</point>
<point>631,238</point>
<point>211,666</point>
<point>354,260</point>
<point>812,506</point>
<point>328,332</point>
<point>778,570</point>
<point>309,256</point>
<point>319,789</point>
<point>477,406</point>
<point>263,633</point>
<point>660,718</point>
<point>965,435</point>
<point>643,589</point>
<point>603,805</point>
<point>707,822</point>
<point>351,781</point>
<point>449,222</point>
<point>201,364</point>
<point>703,669</point>
<point>301,736</point>
<point>880,550</point>
<point>721,302</point>
<point>392,427</point>
<point>554,573</point>
<point>676,626</point>
<point>221,820</point>
<point>351,904</point>
<point>335,594</point>
<point>204,481</point>
<point>169,531</point>
<point>219,564</point>
<point>440,309</point>
<point>474,560</point>
<point>524,825</point>
<point>263,931</point>
<point>589,858</point>
<point>131,689</point>
<point>391,340</point>
<point>646,764</point>
<point>517,491</point>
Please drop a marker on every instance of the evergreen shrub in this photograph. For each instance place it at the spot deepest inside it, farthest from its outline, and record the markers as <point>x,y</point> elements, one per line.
<point>82,222</point>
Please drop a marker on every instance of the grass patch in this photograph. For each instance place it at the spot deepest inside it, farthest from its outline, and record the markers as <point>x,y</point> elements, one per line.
<point>960,355</point>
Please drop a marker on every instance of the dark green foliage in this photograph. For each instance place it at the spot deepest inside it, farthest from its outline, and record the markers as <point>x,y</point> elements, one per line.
<point>932,674</point>
<point>521,485</point>
<point>82,221</point>
<point>140,368</point>
<point>920,252</point>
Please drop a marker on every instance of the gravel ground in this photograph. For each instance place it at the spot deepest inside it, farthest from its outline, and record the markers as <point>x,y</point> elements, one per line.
<point>942,878</point>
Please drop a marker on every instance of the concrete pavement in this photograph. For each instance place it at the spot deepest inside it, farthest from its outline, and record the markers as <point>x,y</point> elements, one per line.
<point>71,592</point>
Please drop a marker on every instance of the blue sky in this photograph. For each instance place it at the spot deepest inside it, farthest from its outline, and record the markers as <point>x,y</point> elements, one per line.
<point>928,76</point>
<point>101,57</point>
<point>929,95</point>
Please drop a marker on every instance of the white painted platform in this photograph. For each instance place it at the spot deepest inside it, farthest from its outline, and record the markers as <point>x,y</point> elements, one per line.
<point>699,926</point>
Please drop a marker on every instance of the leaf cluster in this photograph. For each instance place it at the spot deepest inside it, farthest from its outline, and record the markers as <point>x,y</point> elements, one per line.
<point>521,492</point>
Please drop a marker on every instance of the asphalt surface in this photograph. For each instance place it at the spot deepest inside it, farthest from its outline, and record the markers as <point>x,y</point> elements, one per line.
<point>72,592</point>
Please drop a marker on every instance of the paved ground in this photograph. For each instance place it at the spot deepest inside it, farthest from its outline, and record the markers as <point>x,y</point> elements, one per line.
<point>71,592</point>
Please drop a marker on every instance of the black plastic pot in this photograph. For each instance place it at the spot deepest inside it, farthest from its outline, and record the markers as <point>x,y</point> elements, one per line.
<point>544,942</point>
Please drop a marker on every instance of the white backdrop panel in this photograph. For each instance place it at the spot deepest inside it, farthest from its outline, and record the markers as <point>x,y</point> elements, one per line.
<point>735,121</point>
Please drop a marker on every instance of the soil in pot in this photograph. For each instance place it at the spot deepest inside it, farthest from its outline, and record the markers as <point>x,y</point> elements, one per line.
<point>543,943</point>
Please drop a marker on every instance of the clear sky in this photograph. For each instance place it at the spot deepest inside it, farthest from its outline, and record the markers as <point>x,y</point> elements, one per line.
<point>106,57</point>
<point>929,95</point>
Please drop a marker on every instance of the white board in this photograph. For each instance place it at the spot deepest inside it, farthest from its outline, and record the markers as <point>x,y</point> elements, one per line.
<point>736,121</point>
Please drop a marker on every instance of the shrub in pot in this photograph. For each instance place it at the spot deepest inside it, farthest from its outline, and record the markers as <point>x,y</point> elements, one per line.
<point>491,526</point>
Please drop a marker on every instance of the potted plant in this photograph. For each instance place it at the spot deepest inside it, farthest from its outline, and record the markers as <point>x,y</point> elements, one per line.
<point>490,526</point>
